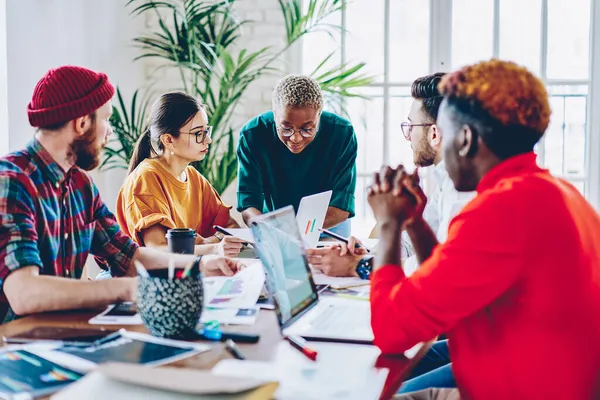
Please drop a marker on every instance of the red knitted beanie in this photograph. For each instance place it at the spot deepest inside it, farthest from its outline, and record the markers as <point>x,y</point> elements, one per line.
<point>66,93</point>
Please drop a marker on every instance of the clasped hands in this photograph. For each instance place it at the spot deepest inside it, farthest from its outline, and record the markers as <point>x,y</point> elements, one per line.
<point>395,196</point>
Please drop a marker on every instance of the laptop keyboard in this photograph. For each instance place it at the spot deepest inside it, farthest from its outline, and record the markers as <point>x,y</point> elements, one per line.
<point>338,319</point>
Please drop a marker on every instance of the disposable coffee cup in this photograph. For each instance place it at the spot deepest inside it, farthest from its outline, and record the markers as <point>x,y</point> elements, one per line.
<point>181,240</point>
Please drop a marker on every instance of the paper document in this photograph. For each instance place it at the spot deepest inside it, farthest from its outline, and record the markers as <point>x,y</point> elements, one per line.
<point>132,382</point>
<point>239,291</point>
<point>310,381</point>
<point>230,316</point>
<point>338,283</point>
<point>242,233</point>
<point>342,371</point>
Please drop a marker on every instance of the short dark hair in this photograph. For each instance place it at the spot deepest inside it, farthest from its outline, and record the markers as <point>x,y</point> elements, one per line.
<point>503,140</point>
<point>426,89</point>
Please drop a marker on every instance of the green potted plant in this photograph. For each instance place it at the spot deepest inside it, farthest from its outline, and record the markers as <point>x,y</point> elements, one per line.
<point>198,39</point>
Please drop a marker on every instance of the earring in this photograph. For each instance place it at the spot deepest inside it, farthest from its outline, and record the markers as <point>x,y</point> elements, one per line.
<point>172,152</point>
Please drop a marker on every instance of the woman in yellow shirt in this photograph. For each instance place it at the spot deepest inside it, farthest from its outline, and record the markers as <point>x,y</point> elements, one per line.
<point>163,191</point>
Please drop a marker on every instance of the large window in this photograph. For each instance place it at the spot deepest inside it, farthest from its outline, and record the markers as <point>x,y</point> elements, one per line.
<point>403,39</point>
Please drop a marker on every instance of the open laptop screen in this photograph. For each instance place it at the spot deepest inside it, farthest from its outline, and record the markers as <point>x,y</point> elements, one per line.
<point>281,251</point>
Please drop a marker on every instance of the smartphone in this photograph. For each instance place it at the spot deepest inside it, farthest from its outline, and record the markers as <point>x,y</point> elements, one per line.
<point>122,310</point>
<point>71,335</point>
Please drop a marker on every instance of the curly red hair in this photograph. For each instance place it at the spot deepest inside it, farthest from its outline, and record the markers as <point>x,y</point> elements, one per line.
<point>508,92</point>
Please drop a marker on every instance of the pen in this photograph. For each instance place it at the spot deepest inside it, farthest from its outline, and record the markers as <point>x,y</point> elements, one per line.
<point>140,269</point>
<point>224,232</point>
<point>342,239</point>
<point>300,344</point>
<point>234,350</point>
<point>171,267</point>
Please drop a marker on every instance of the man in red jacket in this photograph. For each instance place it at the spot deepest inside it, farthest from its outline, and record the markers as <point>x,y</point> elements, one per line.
<point>516,286</point>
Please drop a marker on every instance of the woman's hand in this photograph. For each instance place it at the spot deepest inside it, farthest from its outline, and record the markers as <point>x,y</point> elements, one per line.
<point>230,246</point>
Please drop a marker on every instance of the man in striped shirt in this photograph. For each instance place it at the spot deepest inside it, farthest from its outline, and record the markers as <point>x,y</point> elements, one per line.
<point>51,214</point>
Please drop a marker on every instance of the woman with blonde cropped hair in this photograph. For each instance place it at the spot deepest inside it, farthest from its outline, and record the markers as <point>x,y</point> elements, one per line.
<point>297,150</point>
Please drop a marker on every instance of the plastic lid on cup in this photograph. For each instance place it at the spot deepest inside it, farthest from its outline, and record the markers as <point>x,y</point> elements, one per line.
<point>180,232</point>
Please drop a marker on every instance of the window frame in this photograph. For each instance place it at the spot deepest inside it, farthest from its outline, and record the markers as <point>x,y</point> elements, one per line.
<point>440,52</point>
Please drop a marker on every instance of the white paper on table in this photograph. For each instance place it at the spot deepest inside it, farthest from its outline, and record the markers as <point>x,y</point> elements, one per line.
<point>242,233</point>
<point>252,280</point>
<point>337,283</point>
<point>310,380</point>
<point>231,316</point>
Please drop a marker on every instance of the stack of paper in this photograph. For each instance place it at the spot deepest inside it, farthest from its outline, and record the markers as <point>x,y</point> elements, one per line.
<point>134,382</point>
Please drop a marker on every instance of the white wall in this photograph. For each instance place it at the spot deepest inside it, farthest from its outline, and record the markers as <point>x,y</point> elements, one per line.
<point>42,34</point>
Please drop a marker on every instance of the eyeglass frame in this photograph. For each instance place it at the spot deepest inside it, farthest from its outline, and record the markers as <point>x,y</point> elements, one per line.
<point>410,125</point>
<point>280,128</point>
<point>204,133</point>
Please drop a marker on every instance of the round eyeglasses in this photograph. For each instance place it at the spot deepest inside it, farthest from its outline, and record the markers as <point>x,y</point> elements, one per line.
<point>201,134</point>
<point>289,132</point>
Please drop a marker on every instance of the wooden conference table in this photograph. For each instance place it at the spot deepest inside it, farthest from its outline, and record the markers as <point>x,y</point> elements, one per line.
<point>270,338</point>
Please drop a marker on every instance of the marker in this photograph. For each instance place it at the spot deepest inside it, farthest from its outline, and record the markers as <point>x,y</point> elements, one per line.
<point>342,239</point>
<point>234,350</point>
<point>300,344</point>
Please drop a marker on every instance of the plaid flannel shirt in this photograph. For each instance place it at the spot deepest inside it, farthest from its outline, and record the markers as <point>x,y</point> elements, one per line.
<point>54,219</point>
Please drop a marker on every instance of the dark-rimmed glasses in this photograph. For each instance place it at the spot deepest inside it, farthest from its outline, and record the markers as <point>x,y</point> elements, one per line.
<point>289,132</point>
<point>201,134</point>
<point>407,128</point>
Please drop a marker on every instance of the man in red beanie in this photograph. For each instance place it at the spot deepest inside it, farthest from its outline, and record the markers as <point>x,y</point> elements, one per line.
<point>51,214</point>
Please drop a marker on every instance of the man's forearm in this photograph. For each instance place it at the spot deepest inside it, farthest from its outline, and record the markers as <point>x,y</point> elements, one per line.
<point>389,248</point>
<point>335,216</point>
<point>250,213</point>
<point>423,239</point>
<point>157,259</point>
<point>36,294</point>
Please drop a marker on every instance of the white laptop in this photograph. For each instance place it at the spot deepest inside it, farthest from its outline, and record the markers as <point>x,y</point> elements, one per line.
<point>292,290</point>
<point>311,216</point>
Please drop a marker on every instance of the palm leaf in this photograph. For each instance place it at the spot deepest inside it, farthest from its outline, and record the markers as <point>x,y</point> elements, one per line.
<point>198,39</point>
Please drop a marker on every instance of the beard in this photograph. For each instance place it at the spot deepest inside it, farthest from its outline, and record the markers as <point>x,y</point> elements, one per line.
<point>85,151</point>
<point>424,154</point>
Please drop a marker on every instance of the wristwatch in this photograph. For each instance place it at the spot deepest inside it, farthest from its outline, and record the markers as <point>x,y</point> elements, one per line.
<point>365,267</point>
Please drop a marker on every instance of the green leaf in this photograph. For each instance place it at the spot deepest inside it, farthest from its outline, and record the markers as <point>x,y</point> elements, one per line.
<point>200,40</point>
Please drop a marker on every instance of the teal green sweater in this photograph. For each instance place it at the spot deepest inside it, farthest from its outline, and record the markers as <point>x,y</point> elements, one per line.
<point>270,176</point>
